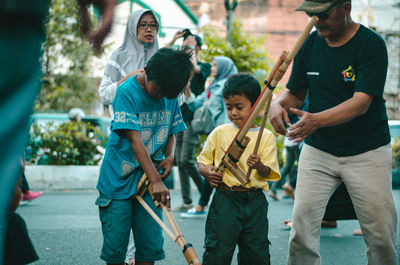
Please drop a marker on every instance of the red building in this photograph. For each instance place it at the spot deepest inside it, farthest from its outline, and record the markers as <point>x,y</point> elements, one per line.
<point>275,18</point>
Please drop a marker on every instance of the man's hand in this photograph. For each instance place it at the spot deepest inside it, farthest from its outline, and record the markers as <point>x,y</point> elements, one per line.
<point>165,166</point>
<point>307,124</point>
<point>278,116</point>
<point>161,193</point>
<point>106,8</point>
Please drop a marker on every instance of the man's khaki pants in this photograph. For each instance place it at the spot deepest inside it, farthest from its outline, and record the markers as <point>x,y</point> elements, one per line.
<point>368,178</point>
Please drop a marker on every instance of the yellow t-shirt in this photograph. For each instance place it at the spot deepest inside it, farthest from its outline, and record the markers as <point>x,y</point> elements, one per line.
<point>223,135</point>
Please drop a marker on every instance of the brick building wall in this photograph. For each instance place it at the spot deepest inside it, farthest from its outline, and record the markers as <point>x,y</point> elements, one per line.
<point>274,18</point>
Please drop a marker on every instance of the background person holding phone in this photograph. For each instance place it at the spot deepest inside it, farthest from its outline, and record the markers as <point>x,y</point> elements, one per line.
<point>187,140</point>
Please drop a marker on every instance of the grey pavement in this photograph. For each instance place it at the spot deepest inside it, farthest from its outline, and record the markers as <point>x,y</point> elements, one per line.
<point>65,229</point>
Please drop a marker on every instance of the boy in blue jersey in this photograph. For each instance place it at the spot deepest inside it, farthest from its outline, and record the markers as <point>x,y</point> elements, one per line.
<point>146,117</point>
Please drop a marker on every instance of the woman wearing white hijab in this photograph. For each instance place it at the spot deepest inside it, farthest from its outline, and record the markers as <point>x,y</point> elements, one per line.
<point>139,44</point>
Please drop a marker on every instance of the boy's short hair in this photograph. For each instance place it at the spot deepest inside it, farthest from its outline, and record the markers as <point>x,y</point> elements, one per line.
<point>242,84</point>
<point>170,71</point>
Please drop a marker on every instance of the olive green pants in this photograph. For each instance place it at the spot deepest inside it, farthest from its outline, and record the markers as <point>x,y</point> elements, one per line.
<point>237,218</point>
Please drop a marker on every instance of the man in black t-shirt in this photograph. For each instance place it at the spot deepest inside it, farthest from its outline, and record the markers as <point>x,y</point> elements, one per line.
<point>342,66</point>
<point>187,140</point>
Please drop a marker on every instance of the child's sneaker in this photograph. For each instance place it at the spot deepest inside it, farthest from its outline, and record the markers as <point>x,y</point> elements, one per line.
<point>193,213</point>
<point>30,195</point>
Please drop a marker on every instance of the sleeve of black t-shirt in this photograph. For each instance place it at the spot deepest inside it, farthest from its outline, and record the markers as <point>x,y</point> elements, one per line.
<point>298,78</point>
<point>373,66</point>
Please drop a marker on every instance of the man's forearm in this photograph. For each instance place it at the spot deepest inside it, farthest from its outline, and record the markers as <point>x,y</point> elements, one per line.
<point>346,111</point>
<point>292,100</point>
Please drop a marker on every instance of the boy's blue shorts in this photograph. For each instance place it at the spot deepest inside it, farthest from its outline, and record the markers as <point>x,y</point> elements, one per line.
<point>117,218</point>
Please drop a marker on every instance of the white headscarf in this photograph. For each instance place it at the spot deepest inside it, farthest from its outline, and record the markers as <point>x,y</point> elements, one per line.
<point>132,54</point>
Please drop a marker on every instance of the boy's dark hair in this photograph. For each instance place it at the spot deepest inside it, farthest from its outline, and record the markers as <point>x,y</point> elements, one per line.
<point>170,71</point>
<point>242,84</point>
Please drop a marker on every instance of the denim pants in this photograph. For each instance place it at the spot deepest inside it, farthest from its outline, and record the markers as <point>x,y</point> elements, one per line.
<point>292,155</point>
<point>186,142</point>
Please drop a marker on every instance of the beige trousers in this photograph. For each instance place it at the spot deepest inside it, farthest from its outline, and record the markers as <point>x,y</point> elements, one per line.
<point>368,178</point>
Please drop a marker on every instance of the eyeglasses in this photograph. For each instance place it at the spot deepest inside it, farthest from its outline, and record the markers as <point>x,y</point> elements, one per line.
<point>145,25</point>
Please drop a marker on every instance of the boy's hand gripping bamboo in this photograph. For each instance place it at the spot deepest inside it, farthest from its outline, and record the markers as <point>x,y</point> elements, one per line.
<point>176,235</point>
<point>239,143</point>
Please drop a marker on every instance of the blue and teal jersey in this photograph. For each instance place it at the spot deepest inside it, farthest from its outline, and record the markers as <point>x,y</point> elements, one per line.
<point>155,119</point>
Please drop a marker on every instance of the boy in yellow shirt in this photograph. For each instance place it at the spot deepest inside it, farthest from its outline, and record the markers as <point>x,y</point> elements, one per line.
<point>238,214</point>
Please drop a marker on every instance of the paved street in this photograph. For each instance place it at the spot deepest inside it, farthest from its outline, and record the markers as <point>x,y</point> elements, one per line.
<point>65,229</point>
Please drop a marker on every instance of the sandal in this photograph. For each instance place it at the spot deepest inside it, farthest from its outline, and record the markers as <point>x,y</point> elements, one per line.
<point>273,195</point>
<point>289,190</point>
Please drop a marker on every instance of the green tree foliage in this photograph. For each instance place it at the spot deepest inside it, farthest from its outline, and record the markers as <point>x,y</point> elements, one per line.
<point>396,153</point>
<point>66,62</point>
<point>249,55</point>
<point>71,143</point>
<point>246,51</point>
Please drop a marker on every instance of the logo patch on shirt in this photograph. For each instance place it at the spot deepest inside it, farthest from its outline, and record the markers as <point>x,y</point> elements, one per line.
<point>126,169</point>
<point>349,75</point>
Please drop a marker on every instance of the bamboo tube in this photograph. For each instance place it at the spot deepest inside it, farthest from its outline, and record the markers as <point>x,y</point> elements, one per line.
<point>176,234</point>
<point>275,76</point>
<point>260,133</point>
<point>155,217</point>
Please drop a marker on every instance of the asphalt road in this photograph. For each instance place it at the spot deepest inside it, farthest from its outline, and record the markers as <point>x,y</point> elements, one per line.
<point>65,229</point>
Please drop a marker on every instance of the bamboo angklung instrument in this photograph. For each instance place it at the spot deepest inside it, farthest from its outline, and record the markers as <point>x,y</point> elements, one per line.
<point>239,143</point>
<point>176,235</point>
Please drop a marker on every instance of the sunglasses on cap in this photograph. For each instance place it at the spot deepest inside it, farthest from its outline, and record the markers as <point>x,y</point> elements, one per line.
<point>326,14</point>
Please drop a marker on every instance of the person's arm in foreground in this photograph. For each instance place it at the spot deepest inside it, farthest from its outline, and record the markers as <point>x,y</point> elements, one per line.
<point>106,8</point>
<point>344,112</point>
<point>279,110</point>
<point>108,86</point>
<point>160,192</point>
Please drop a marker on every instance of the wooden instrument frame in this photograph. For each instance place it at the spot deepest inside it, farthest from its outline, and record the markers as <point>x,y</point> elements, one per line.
<point>176,234</point>
<point>276,75</point>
